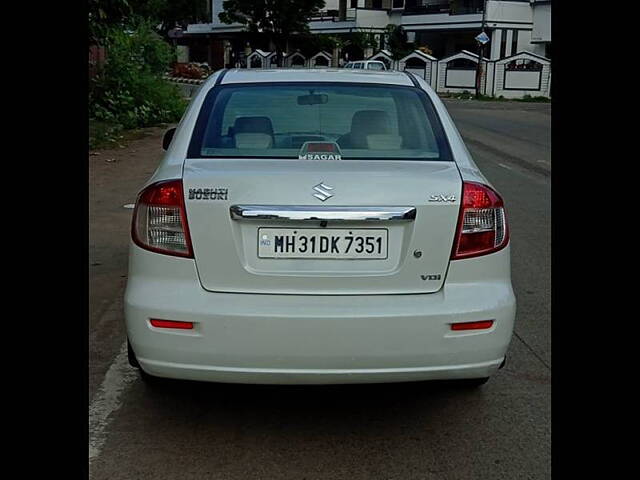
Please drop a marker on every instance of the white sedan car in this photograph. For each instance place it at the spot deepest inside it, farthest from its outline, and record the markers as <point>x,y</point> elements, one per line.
<point>366,65</point>
<point>318,226</point>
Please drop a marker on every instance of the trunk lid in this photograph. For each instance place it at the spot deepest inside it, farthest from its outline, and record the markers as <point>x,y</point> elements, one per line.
<point>226,246</point>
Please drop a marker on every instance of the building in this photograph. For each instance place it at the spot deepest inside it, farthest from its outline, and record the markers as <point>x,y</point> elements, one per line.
<point>444,27</point>
<point>541,33</point>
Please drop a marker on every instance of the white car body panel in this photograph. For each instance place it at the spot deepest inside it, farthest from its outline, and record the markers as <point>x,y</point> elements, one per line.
<point>226,249</point>
<point>259,324</point>
<point>281,339</point>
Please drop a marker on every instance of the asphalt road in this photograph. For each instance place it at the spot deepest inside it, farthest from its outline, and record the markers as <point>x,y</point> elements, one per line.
<point>392,431</point>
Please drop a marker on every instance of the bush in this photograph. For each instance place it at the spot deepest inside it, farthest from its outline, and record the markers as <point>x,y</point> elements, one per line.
<point>465,95</point>
<point>129,90</point>
<point>529,98</point>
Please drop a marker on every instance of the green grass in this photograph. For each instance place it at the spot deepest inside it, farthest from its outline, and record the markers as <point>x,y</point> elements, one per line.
<point>104,134</point>
<point>529,98</point>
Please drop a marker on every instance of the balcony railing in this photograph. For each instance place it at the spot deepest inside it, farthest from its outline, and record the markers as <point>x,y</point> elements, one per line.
<point>431,6</point>
<point>422,6</point>
<point>467,10</point>
<point>334,16</point>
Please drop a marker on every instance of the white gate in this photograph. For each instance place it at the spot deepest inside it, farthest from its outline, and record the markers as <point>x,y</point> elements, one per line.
<point>420,64</point>
<point>522,74</point>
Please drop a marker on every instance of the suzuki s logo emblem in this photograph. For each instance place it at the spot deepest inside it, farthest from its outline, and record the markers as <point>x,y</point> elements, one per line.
<point>322,191</point>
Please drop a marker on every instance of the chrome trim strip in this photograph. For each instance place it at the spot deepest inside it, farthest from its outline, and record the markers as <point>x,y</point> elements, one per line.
<point>340,214</point>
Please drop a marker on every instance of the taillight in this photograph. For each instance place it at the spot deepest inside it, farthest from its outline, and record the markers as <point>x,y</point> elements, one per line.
<point>482,224</point>
<point>160,220</point>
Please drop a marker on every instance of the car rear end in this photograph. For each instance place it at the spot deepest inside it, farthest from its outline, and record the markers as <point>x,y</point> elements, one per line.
<point>305,231</point>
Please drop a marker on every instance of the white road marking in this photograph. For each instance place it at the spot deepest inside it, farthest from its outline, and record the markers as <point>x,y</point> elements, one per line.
<point>129,206</point>
<point>108,400</point>
<point>505,166</point>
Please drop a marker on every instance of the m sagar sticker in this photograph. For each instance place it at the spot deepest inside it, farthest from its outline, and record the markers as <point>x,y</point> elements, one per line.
<point>320,151</point>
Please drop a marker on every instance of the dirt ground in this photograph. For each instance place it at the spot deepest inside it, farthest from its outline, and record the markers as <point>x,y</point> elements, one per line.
<point>115,177</point>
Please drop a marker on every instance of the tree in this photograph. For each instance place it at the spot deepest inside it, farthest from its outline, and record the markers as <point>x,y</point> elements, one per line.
<point>129,91</point>
<point>171,13</point>
<point>166,14</point>
<point>363,39</point>
<point>104,14</point>
<point>397,42</point>
<point>277,18</point>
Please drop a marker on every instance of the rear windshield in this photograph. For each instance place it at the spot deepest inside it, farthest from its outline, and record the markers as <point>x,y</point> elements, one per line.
<point>275,121</point>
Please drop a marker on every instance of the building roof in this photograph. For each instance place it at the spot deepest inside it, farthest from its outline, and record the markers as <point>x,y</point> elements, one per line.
<point>419,53</point>
<point>250,75</point>
<point>262,53</point>
<point>382,52</point>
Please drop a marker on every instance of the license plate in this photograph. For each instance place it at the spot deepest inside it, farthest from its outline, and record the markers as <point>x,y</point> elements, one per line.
<point>351,244</point>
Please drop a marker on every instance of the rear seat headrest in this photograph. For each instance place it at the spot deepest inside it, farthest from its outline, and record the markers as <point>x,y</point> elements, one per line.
<point>368,122</point>
<point>371,121</point>
<point>253,125</point>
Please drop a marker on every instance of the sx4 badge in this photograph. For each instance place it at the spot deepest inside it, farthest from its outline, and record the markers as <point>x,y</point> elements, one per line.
<point>208,193</point>
<point>442,198</point>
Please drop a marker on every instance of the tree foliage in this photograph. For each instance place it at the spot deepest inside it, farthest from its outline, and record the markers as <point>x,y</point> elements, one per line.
<point>363,39</point>
<point>172,13</point>
<point>310,44</point>
<point>163,14</point>
<point>397,42</point>
<point>277,18</point>
<point>129,90</point>
<point>106,14</point>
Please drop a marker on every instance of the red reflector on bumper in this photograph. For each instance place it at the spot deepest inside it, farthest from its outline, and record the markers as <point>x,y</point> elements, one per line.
<point>171,324</point>
<point>482,325</point>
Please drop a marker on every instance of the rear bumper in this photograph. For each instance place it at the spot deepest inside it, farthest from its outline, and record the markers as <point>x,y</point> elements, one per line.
<point>316,376</point>
<point>249,338</point>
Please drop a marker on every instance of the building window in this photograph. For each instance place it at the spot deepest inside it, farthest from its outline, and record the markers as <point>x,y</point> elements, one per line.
<point>354,4</point>
<point>514,42</point>
<point>503,44</point>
